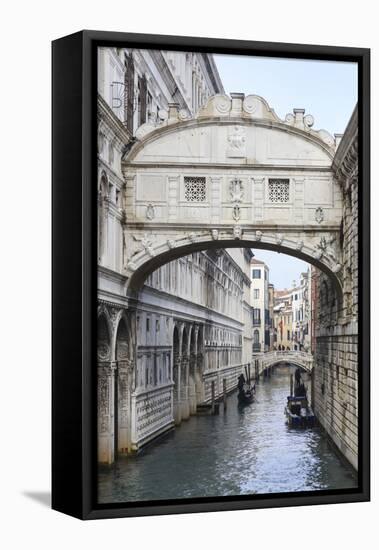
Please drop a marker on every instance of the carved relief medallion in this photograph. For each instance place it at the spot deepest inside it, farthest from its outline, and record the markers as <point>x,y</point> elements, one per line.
<point>236,142</point>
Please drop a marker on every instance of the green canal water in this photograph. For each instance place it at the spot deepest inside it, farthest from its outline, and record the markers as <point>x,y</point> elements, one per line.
<point>243,451</point>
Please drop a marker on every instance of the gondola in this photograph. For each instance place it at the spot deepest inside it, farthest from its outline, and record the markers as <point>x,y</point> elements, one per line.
<point>246,390</point>
<point>298,411</point>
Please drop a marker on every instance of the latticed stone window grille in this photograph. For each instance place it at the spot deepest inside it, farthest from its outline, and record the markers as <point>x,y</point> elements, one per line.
<point>195,189</point>
<point>278,190</point>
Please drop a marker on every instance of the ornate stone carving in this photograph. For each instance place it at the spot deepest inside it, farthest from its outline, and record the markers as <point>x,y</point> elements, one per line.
<point>289,119</point>
<point>299,245</point>
<point>215,234</point>
<point>336,268</point>
<point>113,313</point>
<point>318,254</point>
<point>103,351</point>
<point>279,238</point>
<point>236,212</point>
<point>183,114</point>
<point>326,246</point>
<point>150,212</point>
<point>191,237</point>
<point>258,235</point>
<point>237,232</point>
<point>236,142</point>
<point>145,244</point>
<point>319,215</point>
<point>326,137</point>
<point>170,243</point>
<point>222,104</point>
<point>251,104</point>
<point>309,121</point>
<point>236,190</point>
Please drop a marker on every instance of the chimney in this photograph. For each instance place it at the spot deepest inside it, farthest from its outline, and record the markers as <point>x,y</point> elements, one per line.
<point>299,116</point>
<point>237,100</point>
<point>173,111</point>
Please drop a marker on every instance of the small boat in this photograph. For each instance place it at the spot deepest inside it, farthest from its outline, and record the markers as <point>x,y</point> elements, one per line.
<point>299,413</point>
<point>246,394</point>
<point>246,390</point>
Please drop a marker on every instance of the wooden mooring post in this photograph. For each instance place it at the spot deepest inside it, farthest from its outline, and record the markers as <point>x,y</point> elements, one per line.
<point>291,385</point>
<point>224,392</point>
<point>213,396</point>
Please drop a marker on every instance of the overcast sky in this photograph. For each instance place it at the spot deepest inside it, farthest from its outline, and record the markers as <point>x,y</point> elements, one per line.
<point>325,89</point>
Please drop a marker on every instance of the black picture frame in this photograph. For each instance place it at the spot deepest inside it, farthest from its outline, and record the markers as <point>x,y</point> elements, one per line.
<point>74,272</point>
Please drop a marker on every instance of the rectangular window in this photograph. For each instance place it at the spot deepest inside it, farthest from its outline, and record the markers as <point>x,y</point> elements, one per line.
<point>147,325</point>
<point>256,316</point>
<point>279,190</point>
<point>256,274</point>
<point>256,293</point>
<point>195,189</point>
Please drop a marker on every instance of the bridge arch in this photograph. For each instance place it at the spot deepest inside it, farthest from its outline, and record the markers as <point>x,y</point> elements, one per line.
<point>301,359</point>
<point>145,262</point>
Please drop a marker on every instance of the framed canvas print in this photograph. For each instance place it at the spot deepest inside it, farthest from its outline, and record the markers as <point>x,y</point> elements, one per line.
<point>210,274</point>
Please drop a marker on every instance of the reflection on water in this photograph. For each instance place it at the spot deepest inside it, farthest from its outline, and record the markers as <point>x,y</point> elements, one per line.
<point>243,451</point>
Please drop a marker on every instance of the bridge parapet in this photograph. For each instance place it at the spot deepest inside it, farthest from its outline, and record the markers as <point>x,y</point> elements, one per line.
<point>268,359</point>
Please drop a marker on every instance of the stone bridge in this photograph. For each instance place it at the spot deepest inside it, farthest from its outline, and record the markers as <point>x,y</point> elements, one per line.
<point>236,175</point>
<point>267,360</point>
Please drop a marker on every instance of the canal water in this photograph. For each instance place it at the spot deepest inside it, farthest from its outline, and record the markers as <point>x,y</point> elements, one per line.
<point>242,451</point>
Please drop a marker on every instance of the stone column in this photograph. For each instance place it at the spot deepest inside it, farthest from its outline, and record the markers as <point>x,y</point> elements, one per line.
<point>176,392</point>
<point>200,390</point>
<point>105,408</point>
<point>124,378</point>
<point>184,400</point>
<point>192,383</point>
